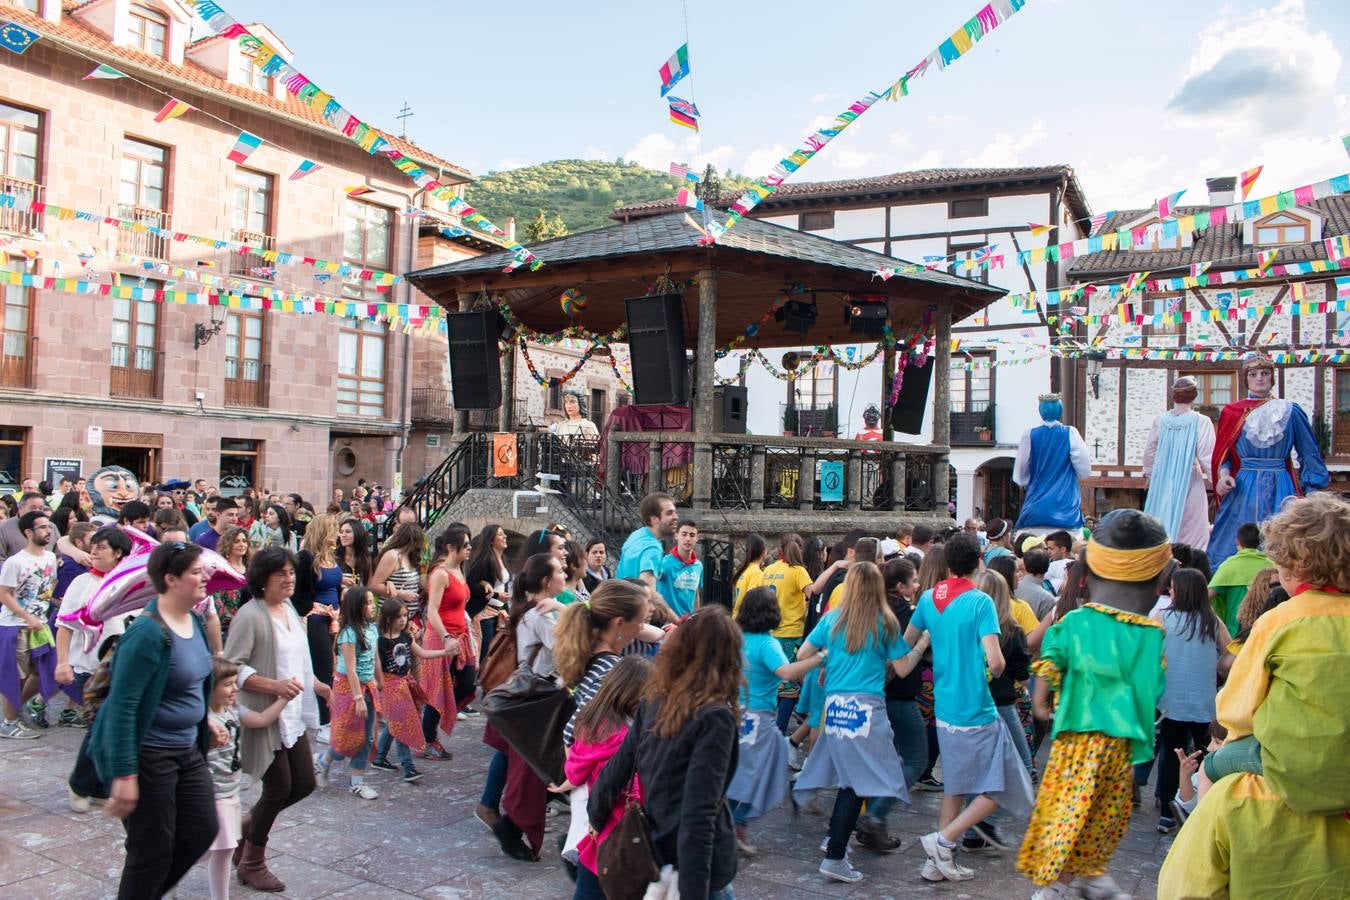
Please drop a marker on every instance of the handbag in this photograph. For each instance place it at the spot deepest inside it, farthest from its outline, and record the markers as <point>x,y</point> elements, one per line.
<point>529,712</point>
<point>625,864</point>
<point>500,661</point>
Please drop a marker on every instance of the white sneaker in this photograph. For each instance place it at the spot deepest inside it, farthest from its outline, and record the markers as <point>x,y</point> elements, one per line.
<point>16,731</point>
<point>943,859</point>
<point>840,870</point>
<point>323,734</point>
<point>364,791</point>
<point>321,767</point>
<point>797,758</point>
<point>1101,887</point>
<point>930,872</point>
<point>1053,891</point>
<point>78,803</point>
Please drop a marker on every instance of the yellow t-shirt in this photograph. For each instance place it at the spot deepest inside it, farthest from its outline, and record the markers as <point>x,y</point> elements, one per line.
<point>751,578</point>
<point>790,584</point>
<point>836,596</point>
<point>1025,617</point>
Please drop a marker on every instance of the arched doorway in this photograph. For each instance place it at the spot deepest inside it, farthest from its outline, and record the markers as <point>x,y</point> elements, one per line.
<point>1002,498</point>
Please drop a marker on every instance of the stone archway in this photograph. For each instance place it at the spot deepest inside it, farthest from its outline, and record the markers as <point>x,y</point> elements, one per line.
<point>994,484</point>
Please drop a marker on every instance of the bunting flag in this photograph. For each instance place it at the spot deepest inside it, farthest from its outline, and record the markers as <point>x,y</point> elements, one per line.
<point>675,68</point>
<point>1265,260</point>
<point>103,72</point>
<point>688,198</point>
<point>1038,230</point>
<point>1134,282</point>
<point>172,110</point>
<point>306,167</point>
<point>1200,268</point>
<point>1167,204</point>
<point>1298,290</point>
<point>1247,180</point>
<point>1343,287</point>
<point>989,17</point>
<point>358,190</point>
<point>244,146</point>
<point>681,171</point>
<point>1337,247</point>
<point>15,38</point>
<point>1098,221</point>
<point>1345,142</point>
<point>680,117</point>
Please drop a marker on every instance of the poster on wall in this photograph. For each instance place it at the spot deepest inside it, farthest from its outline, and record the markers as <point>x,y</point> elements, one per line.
<point>832,482</point>
<point>56,469</point>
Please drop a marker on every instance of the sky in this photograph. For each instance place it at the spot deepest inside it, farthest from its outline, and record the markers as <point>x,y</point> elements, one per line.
<point>1142,98</point>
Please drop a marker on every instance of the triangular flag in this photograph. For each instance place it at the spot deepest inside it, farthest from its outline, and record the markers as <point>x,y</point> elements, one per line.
<point>306,167</point>
<point>103,72</point>
<point>1298,290</point>
<point>172,110</point>
<point>675,68</point>
<point>1037,230</point>
<point>1345,142</point>
<point>1248,179</point>
<point>244,146</point>
<point>688,198</point>
<point>358,190</point>
<point>1167,204</point>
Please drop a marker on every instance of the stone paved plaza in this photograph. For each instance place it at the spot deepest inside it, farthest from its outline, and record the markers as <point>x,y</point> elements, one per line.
<point>422,840</point>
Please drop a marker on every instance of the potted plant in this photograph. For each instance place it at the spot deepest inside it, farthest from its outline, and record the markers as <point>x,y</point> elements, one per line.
<point>789,421</point>
<point>985,430</point>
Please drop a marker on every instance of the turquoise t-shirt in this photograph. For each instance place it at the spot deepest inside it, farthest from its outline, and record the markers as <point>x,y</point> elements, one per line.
<point>960,681</point>
<point>994,552</point>
<point>365,659</point>
<point>642,552</point>
<point>763,656</point>
<point>678,583</point>
<point>863,672</point>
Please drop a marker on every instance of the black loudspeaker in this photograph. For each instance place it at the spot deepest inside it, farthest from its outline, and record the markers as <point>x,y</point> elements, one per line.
<point>729,409</point>
<point>475,367</point>
<point>907,414</point>
<point>656,347</point>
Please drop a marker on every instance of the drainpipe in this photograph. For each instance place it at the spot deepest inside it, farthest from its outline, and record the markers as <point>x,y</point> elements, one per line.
<point>405,426</point>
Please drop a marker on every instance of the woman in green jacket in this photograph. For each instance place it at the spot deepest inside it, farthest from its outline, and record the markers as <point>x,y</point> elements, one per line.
<point>151,732</point>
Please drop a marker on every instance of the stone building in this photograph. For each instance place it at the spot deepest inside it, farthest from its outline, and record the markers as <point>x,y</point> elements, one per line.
<point>274,399</point>
<point>1122,399</point>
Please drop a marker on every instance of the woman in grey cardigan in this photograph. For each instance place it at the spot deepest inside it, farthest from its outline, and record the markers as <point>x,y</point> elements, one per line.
<point>270,644</point>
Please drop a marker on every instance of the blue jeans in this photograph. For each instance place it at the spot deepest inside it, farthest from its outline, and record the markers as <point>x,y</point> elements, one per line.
<point>588,885</point>
<point>496,781</point>
<point>358,762</point>
<point>911,743</point>
<point>386,741</point>
<point>1019,735</point>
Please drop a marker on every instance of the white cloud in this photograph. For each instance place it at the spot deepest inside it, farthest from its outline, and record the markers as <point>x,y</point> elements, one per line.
<point>826,97</point>
<point>930,159</point>
<point>1006,149</point>
<point>900,141</point>
<point>760,160</point>
<point>852,160</point>
<point>658,151</point>
<point>508,163</point>
<point>594,152</point>
<point>942,118</point>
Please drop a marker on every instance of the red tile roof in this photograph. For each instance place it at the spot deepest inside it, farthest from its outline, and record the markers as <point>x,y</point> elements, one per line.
<point>70,30</point>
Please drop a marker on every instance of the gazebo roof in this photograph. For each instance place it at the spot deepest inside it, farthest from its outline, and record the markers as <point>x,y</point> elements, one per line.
<point>756,263</point>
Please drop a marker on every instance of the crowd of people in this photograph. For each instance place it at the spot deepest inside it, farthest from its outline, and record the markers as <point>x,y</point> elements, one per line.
<point>845,676</point>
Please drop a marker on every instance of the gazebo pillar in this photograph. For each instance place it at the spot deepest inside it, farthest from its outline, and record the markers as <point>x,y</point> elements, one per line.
<point>705,360</point>
<point>942,406</point>
<point>506,414</point>
<point>466,299</point>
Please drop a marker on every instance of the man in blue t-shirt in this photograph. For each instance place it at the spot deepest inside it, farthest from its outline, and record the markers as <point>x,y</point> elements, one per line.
<point>681,575</point>
<point>642,551</point>
<point>961,622</point>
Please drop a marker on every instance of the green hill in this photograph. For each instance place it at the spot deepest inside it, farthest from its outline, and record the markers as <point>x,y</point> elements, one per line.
<point>582,192</point>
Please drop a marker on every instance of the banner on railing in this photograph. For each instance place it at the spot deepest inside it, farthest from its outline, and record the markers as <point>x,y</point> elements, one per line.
<point>504,461</point>
<point>832,482</point>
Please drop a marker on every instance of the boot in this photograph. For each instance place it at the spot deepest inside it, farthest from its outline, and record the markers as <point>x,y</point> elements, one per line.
<point>245,826</point>
<point>512,839</point>
<point>253,870</point>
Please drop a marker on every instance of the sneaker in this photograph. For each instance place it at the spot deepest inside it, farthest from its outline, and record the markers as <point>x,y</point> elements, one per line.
<point>943,858</point>
<point>1101,887</point>
<point>34,713</point>
<point>78,803</point>
<point>321,767</point>
<point>930,872</point>
<point>323,735</point>
<point>71,719</point>
<point>411,776</point>
<point>743,842</point>
<point>840,870</point>
<point>434,750</point>
<point>461,716</point>
<point>486,815</point>
<point>15,731</point>
<point>1055,890</point>
<point>364,791</point>
<point>468,711</point>
<point>1166,825</point>
<point>383,764</point>
<point>1179,813</point>
<point>928,784</point>
<point>872,835</point>
<point>975,844</point>
<point>990,834</point>
<point>825,847</point>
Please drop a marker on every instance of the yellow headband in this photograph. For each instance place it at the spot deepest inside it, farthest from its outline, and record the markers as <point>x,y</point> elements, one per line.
<point>1127,565</point>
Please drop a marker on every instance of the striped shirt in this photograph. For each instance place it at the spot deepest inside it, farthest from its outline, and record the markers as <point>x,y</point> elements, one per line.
<point>408,580</point>
<point>599,667</point>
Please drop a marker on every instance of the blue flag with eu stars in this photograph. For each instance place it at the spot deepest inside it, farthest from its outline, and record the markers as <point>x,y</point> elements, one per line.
<point>15,37</point>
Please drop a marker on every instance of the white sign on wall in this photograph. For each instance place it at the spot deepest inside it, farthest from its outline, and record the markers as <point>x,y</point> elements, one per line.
<point>93,436</point>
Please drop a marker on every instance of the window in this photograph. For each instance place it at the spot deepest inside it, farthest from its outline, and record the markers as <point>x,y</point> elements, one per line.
<point>554,401</point>
<point>12,453</point>
<point>961,252</point>
<point>968,209</point>
<point>970,383</point>
<point>135,346</point>
<point>252,222</point>
<point>1214,390</point>
<point>368,245</point>
<point>243,359</point>
<point>249,75</point>
<point>149,29</point>
<point>818,221</point>
<point>16,361</point>
<point>30,5</point>
<point>360,387</point>
<point>599,402</point>
<point>20,131</point>
<point>142,197</point>
<point>1282,228</point>
<point>239,465</point>
<point>1340,430</point>
<point>1162,304</point>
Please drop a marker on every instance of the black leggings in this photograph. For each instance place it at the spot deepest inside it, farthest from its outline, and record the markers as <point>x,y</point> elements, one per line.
<point>287,781</point>
<point>847,807</point>
<point>465,679</point>
<point>1188,736</point>
<point>173,824</point>
<point>319,631</point>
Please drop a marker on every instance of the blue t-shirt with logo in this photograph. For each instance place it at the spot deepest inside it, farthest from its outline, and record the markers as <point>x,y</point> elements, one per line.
<point>678,582</point>
<point>956,626</point>
<point>763,656</point>
<point>642,552</point>
<point>861,672</point>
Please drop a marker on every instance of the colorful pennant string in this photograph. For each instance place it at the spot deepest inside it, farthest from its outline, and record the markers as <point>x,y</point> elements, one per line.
<point>306,167</point>
<point>173,109</point>
<point>244,146</point>
<point>674,69</point>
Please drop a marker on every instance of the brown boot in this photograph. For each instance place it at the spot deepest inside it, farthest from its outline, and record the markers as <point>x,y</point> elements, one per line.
<point>253,870</point>
<point>245,826</point>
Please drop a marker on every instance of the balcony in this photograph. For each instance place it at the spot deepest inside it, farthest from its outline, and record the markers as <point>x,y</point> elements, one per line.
<point>250,265</point>
<point>20,218</point>
<point>145,244</point>
<point>16,361</point>
<point>136,373</point>
<point>810,420</point>
<point>250,388</point>
<point>432,405</point>
<point>973,427</point>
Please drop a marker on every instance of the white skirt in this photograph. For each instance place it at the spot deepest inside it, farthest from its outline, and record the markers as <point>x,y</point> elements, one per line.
<point>227,812</point>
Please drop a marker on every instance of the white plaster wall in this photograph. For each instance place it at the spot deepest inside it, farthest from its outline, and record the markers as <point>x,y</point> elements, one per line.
<point>851,224</point>
<point>1102,418</point>
<point>1145,398</point>
<point>1300,386</point>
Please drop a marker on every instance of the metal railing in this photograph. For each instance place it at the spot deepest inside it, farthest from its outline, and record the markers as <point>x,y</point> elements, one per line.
<point>249,265</point>
<point>16,360</point>
<point>432,404</point>
<point>137,241</point>
<point>974,426</point>
<point>250,388</point>
<point>137,373</point>
<point>20,218</point>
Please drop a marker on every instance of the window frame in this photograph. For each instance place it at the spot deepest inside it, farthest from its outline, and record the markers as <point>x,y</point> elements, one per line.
<point>359,330</point>
<point>239,388</point>
<point>9,128</point>
<point>1168,329</point>
<point>16,369</point>
<point>1298,222</point>
<point>824,222</point>
<point>967,399</point>
<point>981,202</point>
<point>242,264</point>
<point>143,18</point>
<point>1205,389</point>
<point>131,153</point>
<point>251,76</point>
<point>136,373</point>
<point>15,436</point>
<point>980,275</point>
<point>255,453</point>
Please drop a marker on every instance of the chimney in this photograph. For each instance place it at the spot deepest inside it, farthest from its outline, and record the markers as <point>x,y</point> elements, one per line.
<point>1222,190</point>
<point>510,228</point>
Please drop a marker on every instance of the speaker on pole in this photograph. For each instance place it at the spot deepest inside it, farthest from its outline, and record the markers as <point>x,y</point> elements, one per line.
<point>656,347</point>
<point>907,413</point>
<point>475,367</point>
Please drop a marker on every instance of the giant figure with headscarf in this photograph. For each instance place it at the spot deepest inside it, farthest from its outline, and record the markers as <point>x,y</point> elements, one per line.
<point>1177,459</point>
<point>1051,460</point>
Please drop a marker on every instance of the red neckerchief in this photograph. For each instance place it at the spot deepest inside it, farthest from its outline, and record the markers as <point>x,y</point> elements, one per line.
<point>944,592</point>
<point>95,572</point>
<point>1326,589</point>
<point>693,556</point>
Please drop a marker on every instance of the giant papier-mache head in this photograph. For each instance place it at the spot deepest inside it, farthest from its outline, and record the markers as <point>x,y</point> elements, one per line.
<point>871,416</point>
<point>1128,546</point>
<point>111,487</point>
<point>1051,408</point>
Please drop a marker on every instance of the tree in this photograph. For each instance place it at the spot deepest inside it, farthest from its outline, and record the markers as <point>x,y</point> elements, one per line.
<point>545,226</point>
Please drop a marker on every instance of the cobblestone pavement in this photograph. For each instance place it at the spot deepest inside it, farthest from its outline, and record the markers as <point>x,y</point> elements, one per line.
<point>423,841</point>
